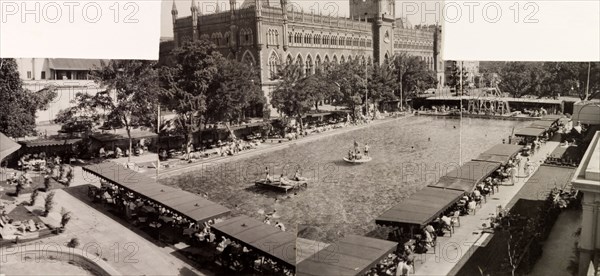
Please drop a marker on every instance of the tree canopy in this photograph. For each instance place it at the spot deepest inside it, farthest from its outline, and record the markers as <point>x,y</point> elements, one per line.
<point>129,98</point>
<point>18,106</point>
<point>185,84</point>
<point>234,89</point>
<point>293,95</point>
<point>546,79</point>
<point>412,75</point>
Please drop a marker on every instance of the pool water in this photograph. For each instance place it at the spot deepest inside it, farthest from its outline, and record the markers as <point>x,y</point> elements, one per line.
<point>342,198</point>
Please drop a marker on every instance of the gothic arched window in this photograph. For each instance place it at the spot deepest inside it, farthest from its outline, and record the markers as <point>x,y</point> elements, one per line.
<point>273,65</point>
<point>309,65</point>
<point>318,64</point>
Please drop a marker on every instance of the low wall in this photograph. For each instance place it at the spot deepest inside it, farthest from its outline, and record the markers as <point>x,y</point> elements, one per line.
<point>98,267</point>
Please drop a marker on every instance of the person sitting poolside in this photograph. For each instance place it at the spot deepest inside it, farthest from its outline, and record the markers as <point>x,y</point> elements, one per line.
<point>447,222</point>
<point>297,176</point>
<point>280,226</point>
<point>283,180</point>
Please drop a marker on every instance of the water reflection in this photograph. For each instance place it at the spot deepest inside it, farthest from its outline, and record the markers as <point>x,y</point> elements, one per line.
<point>343,198</point>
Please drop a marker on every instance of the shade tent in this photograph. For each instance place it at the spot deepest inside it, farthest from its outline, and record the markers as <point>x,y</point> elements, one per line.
<point>542,124</point>
<point>500,153</point>
<point>254,234</point>
<point>530,131</point>
<point>7,146</point>
<point>116,135</point>
<point>469,173</point>
<point>552,118</point>
<point>353,255</point>
<point>49,142</point>
<point>189,205</point>
<point>458,184</point>
<point>421,208</point>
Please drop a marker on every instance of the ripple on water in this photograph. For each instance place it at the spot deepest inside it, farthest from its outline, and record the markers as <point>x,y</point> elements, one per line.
<point>343,198</point>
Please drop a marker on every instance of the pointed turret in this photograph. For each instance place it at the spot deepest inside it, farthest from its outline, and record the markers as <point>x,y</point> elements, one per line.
<point>174,11</point>
<point>174,17</point>
<point>285,23</point>
<point>194,10</point>
<point>232,26</point>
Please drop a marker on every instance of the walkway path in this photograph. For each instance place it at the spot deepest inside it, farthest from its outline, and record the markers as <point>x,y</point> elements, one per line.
<point>452,252</point>
<point>123,247</point>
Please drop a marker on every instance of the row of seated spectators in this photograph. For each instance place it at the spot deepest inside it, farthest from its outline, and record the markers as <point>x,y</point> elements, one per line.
<point>425,240</point>
<point>146,213</point>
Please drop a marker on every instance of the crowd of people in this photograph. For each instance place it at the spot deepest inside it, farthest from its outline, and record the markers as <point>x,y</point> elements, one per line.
<point>138,149</point>
<point>398,263</point>
<point>162,221</point>
<point>355,153</point>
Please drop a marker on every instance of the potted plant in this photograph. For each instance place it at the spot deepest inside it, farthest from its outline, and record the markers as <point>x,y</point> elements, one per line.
<point>49,203</point>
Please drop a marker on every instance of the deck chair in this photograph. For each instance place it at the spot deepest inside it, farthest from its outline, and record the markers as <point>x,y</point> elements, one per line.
<point>132,166</point>
<point>455,219</point>
<point>472,207</point>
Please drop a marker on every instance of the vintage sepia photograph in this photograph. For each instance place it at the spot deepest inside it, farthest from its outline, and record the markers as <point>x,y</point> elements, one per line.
<point>280,137</point>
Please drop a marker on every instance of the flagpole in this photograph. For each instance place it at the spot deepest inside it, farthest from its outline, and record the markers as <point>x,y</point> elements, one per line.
<point>158,131</point>
<point>460,120</point>
<point>587,88</point>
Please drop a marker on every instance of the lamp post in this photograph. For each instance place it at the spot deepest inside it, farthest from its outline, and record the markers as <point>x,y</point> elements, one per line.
<point>158,131</point>
<point>460,120</point>
<point>366,92</point>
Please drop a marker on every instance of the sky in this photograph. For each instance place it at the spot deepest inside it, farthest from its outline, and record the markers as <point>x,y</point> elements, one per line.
<point>410,9</point>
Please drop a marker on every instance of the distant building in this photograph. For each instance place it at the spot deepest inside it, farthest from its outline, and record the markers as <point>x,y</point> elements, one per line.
<point>68,76</point>
<point>271,33</point>
<point>587,181</point>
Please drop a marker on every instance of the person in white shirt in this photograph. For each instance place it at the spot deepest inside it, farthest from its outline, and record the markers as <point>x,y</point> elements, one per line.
<point>280,226</point>
<point>447,222</point>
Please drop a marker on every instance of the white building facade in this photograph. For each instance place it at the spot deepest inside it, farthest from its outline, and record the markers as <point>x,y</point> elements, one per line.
<point>68,76</point>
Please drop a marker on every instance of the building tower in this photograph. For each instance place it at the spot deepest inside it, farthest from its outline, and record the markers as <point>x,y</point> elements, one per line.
<point>381,14</point>
<point>285,24</point>
<point>258,8</point>
<point>232,27</point>
<point>174,17</point>
<point>194,10</point>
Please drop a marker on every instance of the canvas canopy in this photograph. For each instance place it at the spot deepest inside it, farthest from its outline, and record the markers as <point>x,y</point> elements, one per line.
<point>421,208</point>
<point>120,134</point>
<point>192,206</point>
<point>530,131</point>
<point>353,255</point>
<point>552,117</point>
<point>499,153</point>
<point>474,171</point>
<point>542,124</point>
<point>268,239</point>
<point>7,146</point>
<point>49,142</point>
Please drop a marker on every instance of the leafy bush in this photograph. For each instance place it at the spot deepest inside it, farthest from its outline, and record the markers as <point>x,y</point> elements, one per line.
<point>49,203</point>
<point>73,243</point>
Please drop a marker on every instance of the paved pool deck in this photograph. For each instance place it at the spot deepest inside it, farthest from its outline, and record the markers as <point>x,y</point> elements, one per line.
<point>451,252</point>
<point>101,235</point>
